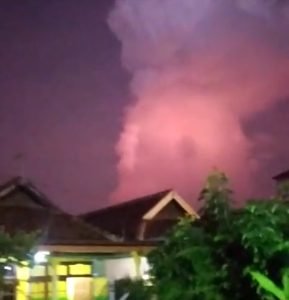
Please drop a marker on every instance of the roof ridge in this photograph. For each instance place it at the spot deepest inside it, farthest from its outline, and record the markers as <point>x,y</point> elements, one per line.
<point>285,173</point>
<point>27,184</point>
<point>124,203</point>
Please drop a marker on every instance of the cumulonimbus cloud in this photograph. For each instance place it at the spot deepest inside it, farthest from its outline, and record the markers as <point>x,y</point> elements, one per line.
<point>201,69</point>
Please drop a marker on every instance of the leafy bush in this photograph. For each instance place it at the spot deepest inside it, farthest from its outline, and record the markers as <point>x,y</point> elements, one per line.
<point>137,289</point>
<point>15,249</point>
<point>227,253</point>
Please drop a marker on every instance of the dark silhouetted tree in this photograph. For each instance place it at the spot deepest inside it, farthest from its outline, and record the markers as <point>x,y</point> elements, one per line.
<point>224,253</point>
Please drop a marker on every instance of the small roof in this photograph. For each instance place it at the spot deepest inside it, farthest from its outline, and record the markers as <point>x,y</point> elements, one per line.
<point>20,184</point>
<point>24,208</point>
<point>138,206</point>
<point>125,219</point>
<point>282,176</point>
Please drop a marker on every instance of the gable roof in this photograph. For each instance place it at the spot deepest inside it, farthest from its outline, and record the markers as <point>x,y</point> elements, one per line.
<point>282,176</point>
<point>24,208</point>
<point>138,206</point>
<point>20,184</point>
<point>170,196</point>
<point>126,219</point>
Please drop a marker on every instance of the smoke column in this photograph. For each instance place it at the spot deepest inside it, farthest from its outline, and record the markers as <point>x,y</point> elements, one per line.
<point>201,69</point>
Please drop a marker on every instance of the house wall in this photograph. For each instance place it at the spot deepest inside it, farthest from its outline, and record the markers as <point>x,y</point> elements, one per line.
<point>22,288</point>
<point>120,268</point>
<point>166,219</point>
<point>172,211</point>
<point>63,278</point>
<point>132,267</point>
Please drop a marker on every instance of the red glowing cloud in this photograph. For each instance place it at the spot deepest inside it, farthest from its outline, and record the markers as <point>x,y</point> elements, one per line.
<point>200,69</point>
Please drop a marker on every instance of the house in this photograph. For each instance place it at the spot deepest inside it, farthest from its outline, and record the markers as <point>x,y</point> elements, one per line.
<point>142,219</point>
<point>72,258</point>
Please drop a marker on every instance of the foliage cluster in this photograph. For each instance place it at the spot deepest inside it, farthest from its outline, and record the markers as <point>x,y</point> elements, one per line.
<point>137,289</point>
<point>227,253</point>
<point>14,250</point>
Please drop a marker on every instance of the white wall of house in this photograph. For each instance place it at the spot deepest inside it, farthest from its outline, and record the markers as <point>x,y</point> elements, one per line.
<point>144,268</point>
<point>125,267</point>
<point>120,268</point>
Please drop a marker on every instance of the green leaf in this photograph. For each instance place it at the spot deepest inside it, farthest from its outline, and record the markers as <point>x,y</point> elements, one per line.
<point>285,282</point>
<point>268,285</point>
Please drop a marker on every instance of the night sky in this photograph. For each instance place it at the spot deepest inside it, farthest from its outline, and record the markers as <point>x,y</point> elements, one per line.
<point>62,94</point>
<point>63,97</point>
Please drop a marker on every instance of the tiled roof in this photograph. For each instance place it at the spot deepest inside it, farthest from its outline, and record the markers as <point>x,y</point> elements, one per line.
<point>124,219</point>
<point>20,184</point>
<point>24,208</point>
<point>282,176</point>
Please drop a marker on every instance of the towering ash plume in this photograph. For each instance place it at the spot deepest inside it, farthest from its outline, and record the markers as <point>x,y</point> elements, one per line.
<point>201,69</point>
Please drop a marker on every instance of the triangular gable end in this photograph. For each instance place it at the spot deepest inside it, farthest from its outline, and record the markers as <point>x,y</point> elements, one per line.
<point>171,196</point>
<point>21,193</point>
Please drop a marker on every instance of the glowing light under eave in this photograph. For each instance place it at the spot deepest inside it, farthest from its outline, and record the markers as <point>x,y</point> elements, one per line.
<point>41,256</point>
